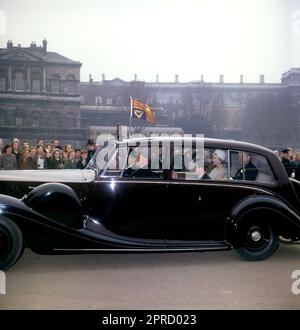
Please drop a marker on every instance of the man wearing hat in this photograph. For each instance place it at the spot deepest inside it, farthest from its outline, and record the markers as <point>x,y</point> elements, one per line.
<point>91,148</point>
<point>285,160</point>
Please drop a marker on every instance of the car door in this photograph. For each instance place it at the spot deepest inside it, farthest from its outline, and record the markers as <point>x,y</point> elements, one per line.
<point>130,207</point>
<point>198,210</point>
<point>201,198</point>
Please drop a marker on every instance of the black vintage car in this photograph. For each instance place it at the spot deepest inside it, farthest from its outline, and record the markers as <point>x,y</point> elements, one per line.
<point>153,195</point>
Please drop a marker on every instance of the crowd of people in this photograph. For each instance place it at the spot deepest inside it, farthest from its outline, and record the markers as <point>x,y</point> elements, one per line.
<point>18,155</point>
<point>291,162</point>
<point>21,155</point>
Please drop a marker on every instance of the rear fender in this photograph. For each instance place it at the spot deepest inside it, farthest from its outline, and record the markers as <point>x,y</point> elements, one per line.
<point>262,209</point>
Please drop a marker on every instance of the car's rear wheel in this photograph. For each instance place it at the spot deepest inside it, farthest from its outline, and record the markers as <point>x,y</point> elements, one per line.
<point>258,242</point>
<point>11,243</point>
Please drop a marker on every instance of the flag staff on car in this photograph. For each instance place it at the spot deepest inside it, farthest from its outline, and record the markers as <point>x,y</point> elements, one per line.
<point>141,111</point>
<point>130,117</point>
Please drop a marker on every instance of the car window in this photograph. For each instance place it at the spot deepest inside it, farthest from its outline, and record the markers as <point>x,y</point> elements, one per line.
<point>250,167</point>
<point>140,161</point>
<point>203,164</point>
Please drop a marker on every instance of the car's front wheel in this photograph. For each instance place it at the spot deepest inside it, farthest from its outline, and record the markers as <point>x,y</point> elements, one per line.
<point>258,242</point>
<point>11,243</point>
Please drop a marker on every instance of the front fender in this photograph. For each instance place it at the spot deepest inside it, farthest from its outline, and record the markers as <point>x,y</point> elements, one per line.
<point>57,202</point>
<point>259,209</point>
<point>41,233</point>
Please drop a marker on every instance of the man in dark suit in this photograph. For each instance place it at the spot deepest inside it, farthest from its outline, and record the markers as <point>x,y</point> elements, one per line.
<point>142,166</point>
<point>248,171</point>
<point>286,162</point>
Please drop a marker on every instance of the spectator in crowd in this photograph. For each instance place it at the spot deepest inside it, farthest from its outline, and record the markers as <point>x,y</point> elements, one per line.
<point>297,166</point>
<point>8,159</point>
<point>285,160</point>
<point>83,162</point>
<point>40,157</point>
<point>39,143</point>
<point>23,158</point>
<point>15,144</point>
<point>297,158</point>
<point>56,161</point>
<point>290,153</point>
<point>71,162</point>
<point>55,144</point>
<point>25,161</point>
<point>31,160</point>
<point>15,139</point>
<point>25,145</point>
<point>78,154</point>
<point>48,155</point>
<point>48,147</point>
<point>67,149</point>
<point>1,146</point>
<point>91,148</point>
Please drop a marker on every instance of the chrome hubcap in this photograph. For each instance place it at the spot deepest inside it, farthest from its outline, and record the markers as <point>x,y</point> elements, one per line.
<point>255,235</point>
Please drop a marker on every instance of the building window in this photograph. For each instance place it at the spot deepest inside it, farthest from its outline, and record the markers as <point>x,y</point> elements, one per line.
<point>70,84</point>
<point>35,119</point>
<point>55,84</point>
<point>3,117</point>
<point>70,87</point>
<point>18,121</point>
<point>109,101</point>
<point>119,101</point>
<point>19,81</point>
<point>2,84</point>
<point>54,120</point>
<point>18,117</point>
<point>98,100</point>
<point>70,120</point>
<point>36,85</point>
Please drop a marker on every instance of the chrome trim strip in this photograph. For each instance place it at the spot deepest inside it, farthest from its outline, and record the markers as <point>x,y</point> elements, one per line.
<point>116,180</point>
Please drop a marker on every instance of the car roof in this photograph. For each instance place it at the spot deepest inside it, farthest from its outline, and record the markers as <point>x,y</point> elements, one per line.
<point>208,142</point>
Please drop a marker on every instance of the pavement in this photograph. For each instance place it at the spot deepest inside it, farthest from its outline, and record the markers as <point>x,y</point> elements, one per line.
<point>211,280</point>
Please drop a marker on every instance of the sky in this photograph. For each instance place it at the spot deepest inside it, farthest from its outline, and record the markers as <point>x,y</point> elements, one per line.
<point>121,38</point>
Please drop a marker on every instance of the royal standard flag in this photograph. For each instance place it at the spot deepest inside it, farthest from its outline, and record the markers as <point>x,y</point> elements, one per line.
<point>143,111</point>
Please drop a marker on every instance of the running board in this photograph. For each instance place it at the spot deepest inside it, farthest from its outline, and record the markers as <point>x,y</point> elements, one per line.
<point>143,250</point>
<point>288,241</point>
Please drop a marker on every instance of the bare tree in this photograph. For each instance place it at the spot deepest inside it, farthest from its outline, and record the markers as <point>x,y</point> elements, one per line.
<point>269,120</point>
<point>203,110</point>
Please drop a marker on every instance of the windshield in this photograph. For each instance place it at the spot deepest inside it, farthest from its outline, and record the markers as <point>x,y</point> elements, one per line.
<point>101,158</point>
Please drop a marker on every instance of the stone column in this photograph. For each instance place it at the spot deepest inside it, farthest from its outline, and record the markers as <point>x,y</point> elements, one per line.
<point>77,118</point>
<point>9,78</point>
<point>44,88</point>
<point>28,87</point>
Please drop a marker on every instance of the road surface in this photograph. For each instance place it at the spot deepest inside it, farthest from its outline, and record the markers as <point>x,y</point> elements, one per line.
<point>212,280</point>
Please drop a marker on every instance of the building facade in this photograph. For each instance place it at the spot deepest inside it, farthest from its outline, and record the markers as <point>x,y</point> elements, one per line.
<point>264,113</point>
<point>39,94</point>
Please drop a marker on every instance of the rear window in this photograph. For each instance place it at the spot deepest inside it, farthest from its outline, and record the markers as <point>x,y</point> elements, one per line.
<point>250,167</point>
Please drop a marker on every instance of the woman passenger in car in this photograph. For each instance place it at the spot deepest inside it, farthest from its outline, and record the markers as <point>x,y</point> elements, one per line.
<point>219,172</point>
